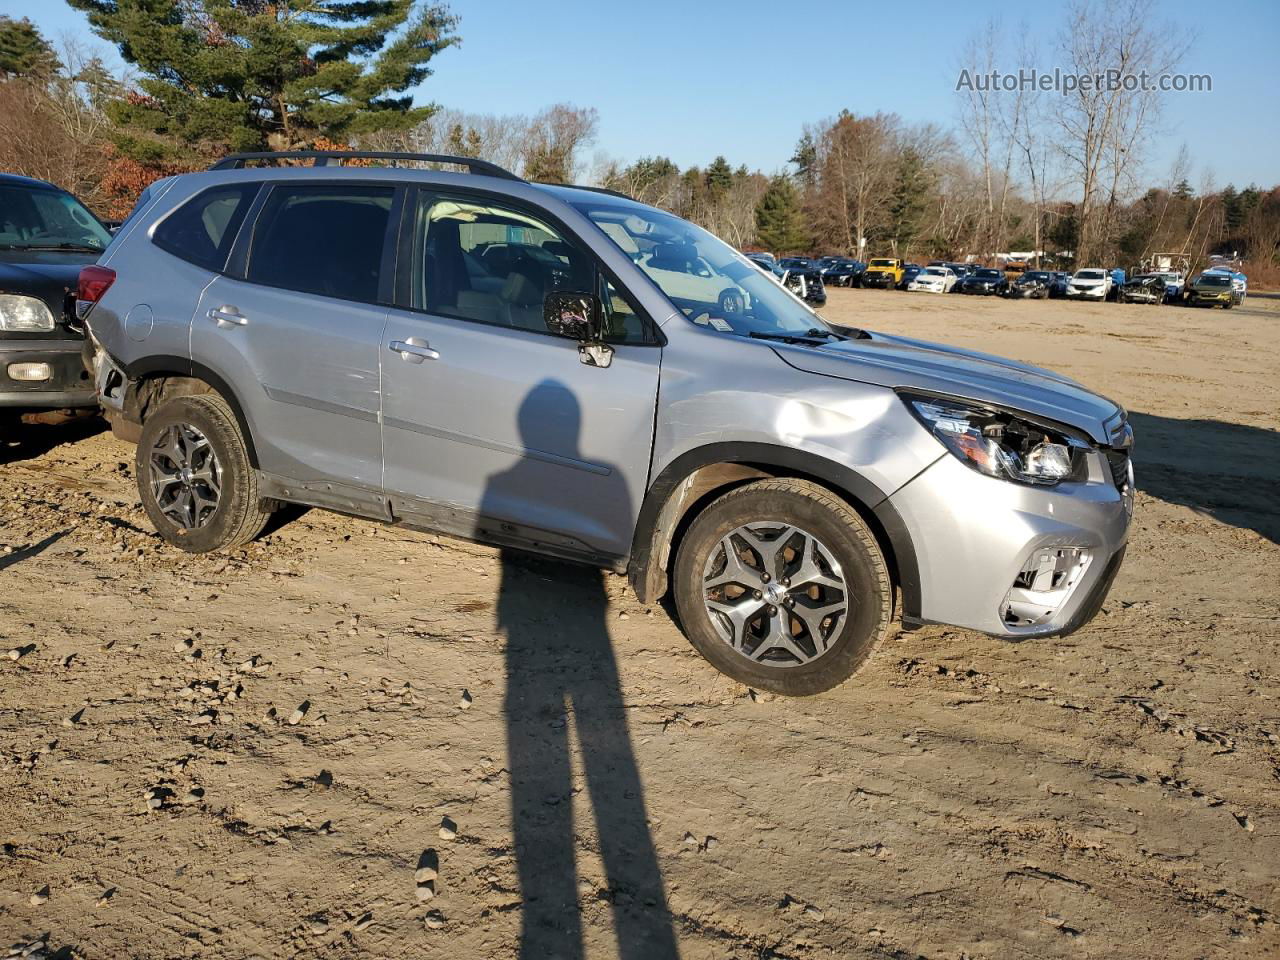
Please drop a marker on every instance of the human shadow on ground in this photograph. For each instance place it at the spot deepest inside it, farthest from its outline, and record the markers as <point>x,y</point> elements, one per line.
<point>562,676</point>
<point>1226,470</point>
<point>34,550</point>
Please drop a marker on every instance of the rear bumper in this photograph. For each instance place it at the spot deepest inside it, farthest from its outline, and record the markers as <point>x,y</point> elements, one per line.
<point>69,383</point>
<point>975,536</point>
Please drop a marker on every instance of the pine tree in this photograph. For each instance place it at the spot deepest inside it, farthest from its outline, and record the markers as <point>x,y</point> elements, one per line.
<point>1231,216</point>
<point>908,197</point>
<point>1183,190</point>
<point>779,221</point>
<point>23,51</point>
<point>806,160</point>
<point>246,75</point>
<point>718,178</point>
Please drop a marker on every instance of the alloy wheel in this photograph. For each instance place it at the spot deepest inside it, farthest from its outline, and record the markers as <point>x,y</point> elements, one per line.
<point>775,593</point>
<point>186,478</point>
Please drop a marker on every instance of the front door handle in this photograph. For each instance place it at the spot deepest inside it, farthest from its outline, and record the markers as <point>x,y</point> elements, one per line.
<point>414,350</point>
<point>227,315</point>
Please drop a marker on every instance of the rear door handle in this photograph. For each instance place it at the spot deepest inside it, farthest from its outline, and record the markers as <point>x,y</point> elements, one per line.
<point>227,314</point>
<point>414,350</point>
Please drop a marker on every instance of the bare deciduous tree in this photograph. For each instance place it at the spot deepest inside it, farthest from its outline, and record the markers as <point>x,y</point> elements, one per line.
<point>1104,127</point>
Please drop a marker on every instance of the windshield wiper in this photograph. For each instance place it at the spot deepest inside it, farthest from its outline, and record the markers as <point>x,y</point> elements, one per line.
<point>812,337</point>
<point>78,247</point>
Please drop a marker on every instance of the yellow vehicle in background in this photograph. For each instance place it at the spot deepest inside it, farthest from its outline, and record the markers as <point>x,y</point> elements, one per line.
<point>883,272</point>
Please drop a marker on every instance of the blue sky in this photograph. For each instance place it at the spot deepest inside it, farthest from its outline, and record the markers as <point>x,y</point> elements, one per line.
<point>697,78</point>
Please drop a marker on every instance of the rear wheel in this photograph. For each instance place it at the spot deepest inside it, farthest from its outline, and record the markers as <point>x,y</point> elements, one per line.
<point>781,586</point>
<point>194,477</point>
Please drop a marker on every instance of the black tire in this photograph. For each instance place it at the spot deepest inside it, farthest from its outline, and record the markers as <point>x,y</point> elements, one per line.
<point>732,302</point>
<point>841,532</point>
<point>238,516</point>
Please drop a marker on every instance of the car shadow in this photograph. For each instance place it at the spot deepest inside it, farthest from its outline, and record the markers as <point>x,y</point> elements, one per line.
<point>562,679</point>
<point>25,441</point>
<point>1225,470</point>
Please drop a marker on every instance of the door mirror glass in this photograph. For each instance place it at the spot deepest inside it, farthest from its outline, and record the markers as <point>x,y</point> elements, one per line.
<point>572,315</point>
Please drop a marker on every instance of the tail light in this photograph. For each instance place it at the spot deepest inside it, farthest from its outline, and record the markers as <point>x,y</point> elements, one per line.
<point>94,282</point>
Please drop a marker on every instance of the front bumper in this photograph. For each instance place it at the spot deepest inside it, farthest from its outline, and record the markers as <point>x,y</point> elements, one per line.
<point>68,385</point>
<point>976,537</point>
<point>1087,293</point>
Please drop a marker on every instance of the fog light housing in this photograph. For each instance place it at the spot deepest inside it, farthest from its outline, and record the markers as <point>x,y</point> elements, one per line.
<point>30,372</point>
<point>1044,584</point>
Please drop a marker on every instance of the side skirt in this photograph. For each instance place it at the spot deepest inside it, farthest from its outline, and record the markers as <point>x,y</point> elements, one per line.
<point>417,514</point>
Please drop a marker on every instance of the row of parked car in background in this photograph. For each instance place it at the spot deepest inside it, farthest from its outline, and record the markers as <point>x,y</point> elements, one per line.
<point>808,277</point>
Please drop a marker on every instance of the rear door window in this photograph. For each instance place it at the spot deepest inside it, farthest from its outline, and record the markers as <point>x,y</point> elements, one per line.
<point>203,229</point>
<point>323,239</point>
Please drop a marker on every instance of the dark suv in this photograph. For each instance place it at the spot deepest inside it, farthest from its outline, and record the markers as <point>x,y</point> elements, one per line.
<point>46,236</point>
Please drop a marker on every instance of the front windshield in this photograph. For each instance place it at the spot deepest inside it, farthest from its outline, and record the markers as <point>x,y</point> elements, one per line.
<point>1089,275</point>
<point>710,282</point>
<point>989,274</point>
<point>933,272</point>
<point>41,219</point>
<point>1215,280</point>
<point>883,263</point>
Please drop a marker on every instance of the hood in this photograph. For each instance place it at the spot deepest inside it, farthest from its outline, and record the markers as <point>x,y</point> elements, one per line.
<point>891,361</point>
<point>52,276</point>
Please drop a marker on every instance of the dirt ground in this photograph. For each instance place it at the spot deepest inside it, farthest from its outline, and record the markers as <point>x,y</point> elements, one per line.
<point>253,755</point>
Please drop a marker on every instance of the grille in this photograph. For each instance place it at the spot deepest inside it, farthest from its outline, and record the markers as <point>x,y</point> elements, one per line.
<point>1118,461</point>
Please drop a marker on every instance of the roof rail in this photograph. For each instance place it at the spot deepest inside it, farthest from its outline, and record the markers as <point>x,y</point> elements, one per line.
<point>321,158</point>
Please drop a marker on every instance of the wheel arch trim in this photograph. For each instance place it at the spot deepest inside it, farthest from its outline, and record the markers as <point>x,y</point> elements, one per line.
<point>162,364</point>
<point>665,509</point>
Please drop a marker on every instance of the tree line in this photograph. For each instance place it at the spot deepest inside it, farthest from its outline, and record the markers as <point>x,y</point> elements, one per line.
<point>1020,170</point>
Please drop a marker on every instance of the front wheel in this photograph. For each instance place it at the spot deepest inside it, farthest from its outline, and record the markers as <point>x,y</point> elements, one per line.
<point>732,302</point>
<point>194,476</point>
<point>782,586</point>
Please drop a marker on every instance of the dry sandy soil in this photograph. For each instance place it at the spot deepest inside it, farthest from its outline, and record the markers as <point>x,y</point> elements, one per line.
<point>252,755</point>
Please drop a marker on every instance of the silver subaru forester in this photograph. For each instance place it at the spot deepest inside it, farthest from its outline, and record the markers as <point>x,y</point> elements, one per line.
<point>566,371</point>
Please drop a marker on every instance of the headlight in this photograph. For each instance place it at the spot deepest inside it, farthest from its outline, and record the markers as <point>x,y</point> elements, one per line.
<point>1002,444</point>
<point>19,314</point>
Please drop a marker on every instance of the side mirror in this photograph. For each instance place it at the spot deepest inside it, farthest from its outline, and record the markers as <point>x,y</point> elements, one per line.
<point>572,315</point>
<point>577,316</point>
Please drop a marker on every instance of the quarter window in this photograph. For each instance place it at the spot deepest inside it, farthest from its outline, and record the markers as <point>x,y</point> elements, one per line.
<point>202,230</point>
<point>322,239</point>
